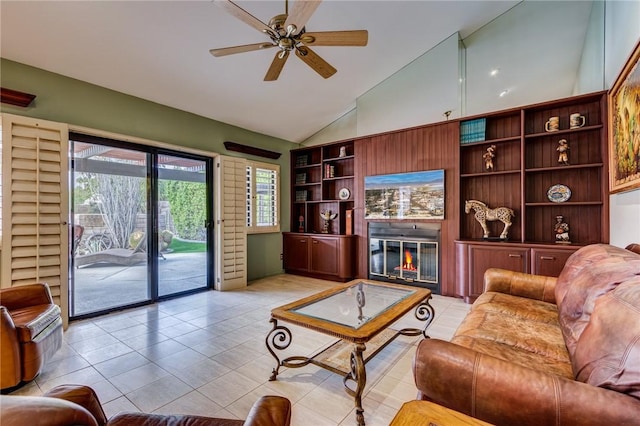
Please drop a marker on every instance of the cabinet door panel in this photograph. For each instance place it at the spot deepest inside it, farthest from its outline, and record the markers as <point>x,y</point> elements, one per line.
<point>296,252</point>
<point>482,258</point>
<point>324,256</point>
<point>549,262</point>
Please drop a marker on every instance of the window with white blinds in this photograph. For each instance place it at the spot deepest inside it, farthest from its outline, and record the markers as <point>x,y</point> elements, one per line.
<point>262,183</point>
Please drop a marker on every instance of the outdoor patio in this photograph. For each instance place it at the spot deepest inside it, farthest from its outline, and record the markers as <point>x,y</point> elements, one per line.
<point>101,286</point>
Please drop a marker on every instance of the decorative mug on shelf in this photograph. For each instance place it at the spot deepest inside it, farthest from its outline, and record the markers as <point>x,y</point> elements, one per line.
<point>576,120</point>
<point>552,125</point>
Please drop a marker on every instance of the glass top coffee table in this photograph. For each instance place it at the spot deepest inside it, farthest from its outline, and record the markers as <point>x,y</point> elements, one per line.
<point>359,314</point>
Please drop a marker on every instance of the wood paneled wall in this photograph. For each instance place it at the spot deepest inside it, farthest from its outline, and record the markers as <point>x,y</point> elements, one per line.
<point>421,148</point>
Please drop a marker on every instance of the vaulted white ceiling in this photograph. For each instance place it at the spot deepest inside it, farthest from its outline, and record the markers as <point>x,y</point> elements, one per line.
<point>159,51</point>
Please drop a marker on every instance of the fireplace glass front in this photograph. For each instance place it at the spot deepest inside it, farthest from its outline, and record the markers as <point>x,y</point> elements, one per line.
<point>406,260</point>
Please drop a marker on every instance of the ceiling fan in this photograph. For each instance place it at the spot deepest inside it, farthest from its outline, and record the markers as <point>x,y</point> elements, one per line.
<point>287,32</point>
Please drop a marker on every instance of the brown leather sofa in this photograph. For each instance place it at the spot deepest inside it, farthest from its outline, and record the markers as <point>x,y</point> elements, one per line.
<point>78,405</point>
<point>30,332</point>
<point>537,350</point>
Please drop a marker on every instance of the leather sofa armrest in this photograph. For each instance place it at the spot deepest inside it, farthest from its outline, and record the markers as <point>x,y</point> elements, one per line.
<point>634,247</point>
<point>10,374</point>
<point>520,284</point>
<point>270,410</point>
<point>26,295</point>
<point>504,393</point>
<point>81,395</point>
<point>41,411</point>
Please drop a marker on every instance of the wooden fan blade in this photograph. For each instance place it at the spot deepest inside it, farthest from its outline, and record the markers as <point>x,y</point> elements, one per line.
<point>224,51</point>
<point>276,66</point>
<point>318,64</point>
<point>300,14</point>
<point>336,38</point>
<point>243,15</point>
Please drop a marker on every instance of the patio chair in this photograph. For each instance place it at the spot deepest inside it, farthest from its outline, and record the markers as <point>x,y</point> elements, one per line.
<point>78,230</point>
<point>117,256</point>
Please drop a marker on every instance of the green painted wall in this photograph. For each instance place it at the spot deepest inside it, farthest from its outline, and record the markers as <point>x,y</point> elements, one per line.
<point>67,100</point>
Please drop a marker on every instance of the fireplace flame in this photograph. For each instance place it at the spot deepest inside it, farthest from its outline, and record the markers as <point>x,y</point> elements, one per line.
<point>408,262</point>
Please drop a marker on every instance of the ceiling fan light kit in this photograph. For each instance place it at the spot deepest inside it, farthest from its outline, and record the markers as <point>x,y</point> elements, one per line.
<point>287,32</point>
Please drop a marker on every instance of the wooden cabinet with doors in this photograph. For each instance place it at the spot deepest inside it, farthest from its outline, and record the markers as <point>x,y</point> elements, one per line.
<point>475,259</point>
<point>319,255</point>
<point>322,181</point>
<point>530,176</point>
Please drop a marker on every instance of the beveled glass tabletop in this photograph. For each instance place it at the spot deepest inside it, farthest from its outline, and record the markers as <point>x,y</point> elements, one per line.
<point>354,311</point>
<point>354,305</point>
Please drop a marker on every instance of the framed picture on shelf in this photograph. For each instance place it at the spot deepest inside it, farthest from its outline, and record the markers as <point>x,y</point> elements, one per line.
<point>624,127</point>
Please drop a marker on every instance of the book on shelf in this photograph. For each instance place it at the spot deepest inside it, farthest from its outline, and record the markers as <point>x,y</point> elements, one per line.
<point>473,130</point>
<point>301,178</point>
<point>302,160</point>
<point>301,195</point>
<point>329,171</point>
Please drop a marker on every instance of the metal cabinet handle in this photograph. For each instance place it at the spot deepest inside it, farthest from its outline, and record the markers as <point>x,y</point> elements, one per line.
<point>515,255</point>
<point>303,241</point>
<point>315,241</point>
<point>547,258</point>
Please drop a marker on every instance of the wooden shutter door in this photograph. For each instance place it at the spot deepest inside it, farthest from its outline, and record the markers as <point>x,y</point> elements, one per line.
<point>231,236</point>
<point>35,205</point>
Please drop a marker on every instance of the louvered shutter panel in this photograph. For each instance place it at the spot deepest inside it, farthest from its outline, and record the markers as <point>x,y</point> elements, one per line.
<point>35,205</point>
<point>231,219</point>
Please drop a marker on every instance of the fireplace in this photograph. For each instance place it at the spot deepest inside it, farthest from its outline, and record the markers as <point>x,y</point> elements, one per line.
<point>405,253</point>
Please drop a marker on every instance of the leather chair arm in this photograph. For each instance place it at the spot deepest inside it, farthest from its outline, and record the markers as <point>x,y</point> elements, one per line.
<point>503,393</point>
<point>10,374</point>
<point>81,395</point>
<point>536,287</point>
<point>26,295</point>
<point>270,411</point>
<point>40,411</point>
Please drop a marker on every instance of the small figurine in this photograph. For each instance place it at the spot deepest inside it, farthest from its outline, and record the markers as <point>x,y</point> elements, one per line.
<point>300,223</point>
<point>489,156</point>
<point>561,229</point>
<point>328,217</point>
<point>563,152</point>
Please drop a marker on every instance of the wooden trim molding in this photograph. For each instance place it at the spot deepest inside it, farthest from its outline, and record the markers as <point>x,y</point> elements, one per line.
<point>246,149</point>
<point>14,97</point>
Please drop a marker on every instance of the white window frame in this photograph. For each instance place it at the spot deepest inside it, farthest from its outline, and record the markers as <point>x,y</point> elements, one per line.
<point>251,217</point>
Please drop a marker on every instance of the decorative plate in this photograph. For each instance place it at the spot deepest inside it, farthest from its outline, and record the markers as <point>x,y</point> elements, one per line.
<point>344,194</point>
<point>558,193</point>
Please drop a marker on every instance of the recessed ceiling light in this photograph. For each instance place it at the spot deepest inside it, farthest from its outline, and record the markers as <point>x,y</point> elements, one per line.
<point>504,93</point>
<point>494,72</point>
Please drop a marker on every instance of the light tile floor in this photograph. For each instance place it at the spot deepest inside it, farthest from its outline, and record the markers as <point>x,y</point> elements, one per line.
<point>205,354</point>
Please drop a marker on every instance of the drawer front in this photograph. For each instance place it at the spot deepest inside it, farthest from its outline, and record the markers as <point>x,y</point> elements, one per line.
<point>482,258</point>
<point>549,262</point>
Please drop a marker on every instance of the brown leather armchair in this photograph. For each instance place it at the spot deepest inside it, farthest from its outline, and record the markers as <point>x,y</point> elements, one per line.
<point>30,332</point>
<point>79,405</point>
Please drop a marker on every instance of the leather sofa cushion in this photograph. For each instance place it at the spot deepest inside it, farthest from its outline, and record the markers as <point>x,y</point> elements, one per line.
<point>588,274</point>
<point>143,419</point>
<point>31,320</point>
<point>608,351</point>
<point>507,328</point>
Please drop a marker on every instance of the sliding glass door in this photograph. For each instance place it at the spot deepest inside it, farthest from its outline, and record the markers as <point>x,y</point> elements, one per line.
<point>182,224</point>
<point>140,224</point>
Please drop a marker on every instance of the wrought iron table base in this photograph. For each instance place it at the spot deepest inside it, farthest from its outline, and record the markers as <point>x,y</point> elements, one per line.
<point>279,338</point>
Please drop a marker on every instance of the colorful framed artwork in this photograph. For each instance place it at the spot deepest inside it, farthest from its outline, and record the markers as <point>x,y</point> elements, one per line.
<point>624,127</point>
